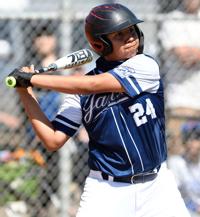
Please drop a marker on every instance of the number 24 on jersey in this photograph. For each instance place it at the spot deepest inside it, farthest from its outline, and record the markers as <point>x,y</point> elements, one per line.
<point>140,113</point>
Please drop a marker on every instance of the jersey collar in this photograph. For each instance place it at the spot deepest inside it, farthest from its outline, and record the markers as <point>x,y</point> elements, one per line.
<point>104,65</point>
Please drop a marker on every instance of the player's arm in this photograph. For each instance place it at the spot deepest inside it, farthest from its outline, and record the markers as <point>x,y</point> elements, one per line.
<point>86,84</point>
<point>51,138</point>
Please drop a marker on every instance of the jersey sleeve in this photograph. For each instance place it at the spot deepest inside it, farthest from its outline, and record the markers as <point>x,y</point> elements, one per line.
<point>69,116</point>
<point>138,74</point>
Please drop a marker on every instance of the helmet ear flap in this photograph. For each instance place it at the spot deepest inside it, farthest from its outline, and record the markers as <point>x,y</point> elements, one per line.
<point>98,46</point>
<point>101,46</point>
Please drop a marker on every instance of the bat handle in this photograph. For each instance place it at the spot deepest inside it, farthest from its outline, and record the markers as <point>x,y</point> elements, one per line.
<point>10,81</point>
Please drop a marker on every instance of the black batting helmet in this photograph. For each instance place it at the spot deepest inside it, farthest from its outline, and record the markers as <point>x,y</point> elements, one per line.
<point>109,18</point>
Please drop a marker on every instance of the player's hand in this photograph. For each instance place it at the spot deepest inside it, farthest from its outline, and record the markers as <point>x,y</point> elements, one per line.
<point>28,69</point>
<point>23,76</point>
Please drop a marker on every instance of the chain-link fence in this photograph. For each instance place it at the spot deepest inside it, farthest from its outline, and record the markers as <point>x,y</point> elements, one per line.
<point>35,182</point>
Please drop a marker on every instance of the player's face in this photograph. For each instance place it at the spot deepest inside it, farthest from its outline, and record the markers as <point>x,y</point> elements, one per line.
<point>125,44</point>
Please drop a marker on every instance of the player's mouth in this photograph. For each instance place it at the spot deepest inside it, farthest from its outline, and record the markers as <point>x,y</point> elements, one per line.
<point>130,49</point>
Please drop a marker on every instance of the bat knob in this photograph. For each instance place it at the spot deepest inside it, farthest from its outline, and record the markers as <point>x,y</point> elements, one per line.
<point>10,81</point>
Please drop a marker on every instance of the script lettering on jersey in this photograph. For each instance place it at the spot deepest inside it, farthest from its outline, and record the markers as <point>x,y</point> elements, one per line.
<point>96,103</point>
<point>124,71</point>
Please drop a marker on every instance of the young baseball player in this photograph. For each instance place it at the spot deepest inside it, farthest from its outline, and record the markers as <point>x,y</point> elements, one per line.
<point>121,105</point>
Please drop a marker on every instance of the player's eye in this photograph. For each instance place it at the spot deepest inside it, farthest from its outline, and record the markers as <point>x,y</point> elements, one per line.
<point>119,35</point>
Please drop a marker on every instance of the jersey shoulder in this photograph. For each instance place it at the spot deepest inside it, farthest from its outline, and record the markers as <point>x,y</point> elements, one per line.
<point>144,60</point>
<point>143,64</point>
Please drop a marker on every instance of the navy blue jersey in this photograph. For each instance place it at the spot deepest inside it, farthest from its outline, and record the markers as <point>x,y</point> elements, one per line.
<point>126,130</point>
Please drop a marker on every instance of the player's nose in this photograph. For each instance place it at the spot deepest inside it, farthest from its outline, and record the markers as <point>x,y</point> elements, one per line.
<point>129,38</point>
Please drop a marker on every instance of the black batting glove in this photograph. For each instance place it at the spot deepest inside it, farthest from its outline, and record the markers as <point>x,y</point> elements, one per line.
<point>23,79</point>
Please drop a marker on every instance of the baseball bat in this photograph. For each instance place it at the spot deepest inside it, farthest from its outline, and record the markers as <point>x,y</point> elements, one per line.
<point>71,60</point>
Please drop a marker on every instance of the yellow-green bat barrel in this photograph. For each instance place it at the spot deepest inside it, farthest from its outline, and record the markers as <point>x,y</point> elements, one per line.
<point>10,81</point>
